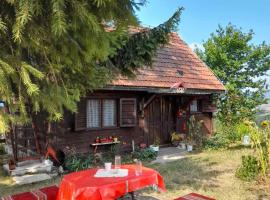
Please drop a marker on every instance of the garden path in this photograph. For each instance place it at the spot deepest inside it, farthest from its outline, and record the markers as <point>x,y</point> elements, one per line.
<point>169,154</point>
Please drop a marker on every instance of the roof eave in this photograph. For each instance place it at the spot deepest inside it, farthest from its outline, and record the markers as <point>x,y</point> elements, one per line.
<point>165,90</point>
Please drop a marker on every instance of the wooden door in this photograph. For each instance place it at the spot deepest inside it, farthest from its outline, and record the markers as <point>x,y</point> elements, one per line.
<point>158,120</point>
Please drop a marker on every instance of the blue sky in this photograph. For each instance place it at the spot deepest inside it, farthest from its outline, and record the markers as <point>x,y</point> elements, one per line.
<point>201,17</point>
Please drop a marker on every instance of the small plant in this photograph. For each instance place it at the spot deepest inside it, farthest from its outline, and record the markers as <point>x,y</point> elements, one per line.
<point>2,149</point>
<point>156,141</point>
<point>147,154</point>
<point>79,162</point>
<point>217,141</point>
<point>195,134</point>
<point>249,168</point>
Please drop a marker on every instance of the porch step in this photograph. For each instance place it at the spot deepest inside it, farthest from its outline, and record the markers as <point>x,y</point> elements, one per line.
<point>32,178</point>
<point>29,167</point>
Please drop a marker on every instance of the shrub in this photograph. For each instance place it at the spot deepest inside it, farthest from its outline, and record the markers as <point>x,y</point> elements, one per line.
<point>145,154</point>
<point>260,138</point>
<point>79,162</point>
<point>241,130</point>
<point>249,168</point>
<point>2,149</point>
<point>218,141</point>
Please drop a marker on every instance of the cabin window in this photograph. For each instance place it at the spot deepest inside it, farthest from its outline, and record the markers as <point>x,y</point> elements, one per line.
<point>101,113</point>
<point>109,113</point>
<point>93,113</point>
<point>128,112</point>
<point>194,106</point>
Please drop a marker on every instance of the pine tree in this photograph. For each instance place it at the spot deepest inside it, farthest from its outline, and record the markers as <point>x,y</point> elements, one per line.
<point>54,51</point>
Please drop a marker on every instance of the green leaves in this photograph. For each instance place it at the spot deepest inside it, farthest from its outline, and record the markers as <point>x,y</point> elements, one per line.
<point>59,26</point>
<point>242,67</point>
<point>140,47</point>
<point>54,52</point>
<point>25,72</point>
<point>23,16</point>
<point>3,27</point>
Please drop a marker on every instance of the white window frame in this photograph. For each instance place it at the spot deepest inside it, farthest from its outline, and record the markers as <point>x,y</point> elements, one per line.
<point>100,114</point>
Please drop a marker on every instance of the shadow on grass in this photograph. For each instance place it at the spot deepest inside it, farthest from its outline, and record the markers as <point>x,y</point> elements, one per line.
<point>189,173</point>
<point>238,147</point>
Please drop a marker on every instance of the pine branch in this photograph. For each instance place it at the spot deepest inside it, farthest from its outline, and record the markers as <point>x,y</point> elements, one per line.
<point>140,47</point>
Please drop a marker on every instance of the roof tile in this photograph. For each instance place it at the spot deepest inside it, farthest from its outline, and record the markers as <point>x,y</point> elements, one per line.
<point>170,58</point>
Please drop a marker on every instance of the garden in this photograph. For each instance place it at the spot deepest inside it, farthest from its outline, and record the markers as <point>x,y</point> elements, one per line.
<point>220,167</point>
<point>53,54</point>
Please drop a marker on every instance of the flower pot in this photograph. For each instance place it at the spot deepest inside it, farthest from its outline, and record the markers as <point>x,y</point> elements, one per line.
<point>182,145</point>
<point>154,148</point>
<point>11,165</point>
<point>189,147</point>
<point>246,140</point>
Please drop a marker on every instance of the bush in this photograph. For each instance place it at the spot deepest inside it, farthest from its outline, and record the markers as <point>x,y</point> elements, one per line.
<point>241,130</point>
<point>79,162</point>
<point>145,154</point>
<point>249,168</point>
<point>218,141</point>
<point>2,149</point>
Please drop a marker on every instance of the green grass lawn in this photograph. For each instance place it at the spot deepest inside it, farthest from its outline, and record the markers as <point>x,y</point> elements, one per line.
<point>209,173</point>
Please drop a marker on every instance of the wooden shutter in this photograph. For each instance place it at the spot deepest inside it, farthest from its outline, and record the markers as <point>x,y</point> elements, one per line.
<point>208,106</point>
<point>128,112</point>
<point>80,116</point>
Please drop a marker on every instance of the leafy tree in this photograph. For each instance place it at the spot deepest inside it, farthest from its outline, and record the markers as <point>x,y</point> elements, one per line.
<point>54,51</point>
<point>241,66</point>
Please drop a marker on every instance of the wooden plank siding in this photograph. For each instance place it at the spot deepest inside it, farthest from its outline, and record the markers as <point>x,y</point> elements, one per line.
<point>159,118</point>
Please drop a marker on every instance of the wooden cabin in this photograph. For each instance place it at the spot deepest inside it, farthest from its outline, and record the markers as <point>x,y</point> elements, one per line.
<point>157,102</point>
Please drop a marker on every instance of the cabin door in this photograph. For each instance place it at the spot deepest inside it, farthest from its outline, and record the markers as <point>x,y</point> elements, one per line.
<point>158,121</point>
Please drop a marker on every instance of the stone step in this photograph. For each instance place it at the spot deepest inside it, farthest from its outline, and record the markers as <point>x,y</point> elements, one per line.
<point>29,168</point>
<point>30,178</point>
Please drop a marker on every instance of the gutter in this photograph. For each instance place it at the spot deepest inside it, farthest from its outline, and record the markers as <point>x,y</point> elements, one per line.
<point>163,90</point>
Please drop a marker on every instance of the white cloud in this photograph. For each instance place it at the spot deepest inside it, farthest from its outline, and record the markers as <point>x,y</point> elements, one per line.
<point>195,45</point>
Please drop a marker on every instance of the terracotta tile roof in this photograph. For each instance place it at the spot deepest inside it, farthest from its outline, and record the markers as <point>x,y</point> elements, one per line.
<point>175,64</point>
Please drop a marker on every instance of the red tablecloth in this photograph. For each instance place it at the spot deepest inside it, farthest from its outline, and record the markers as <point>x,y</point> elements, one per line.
<point>84,186</point>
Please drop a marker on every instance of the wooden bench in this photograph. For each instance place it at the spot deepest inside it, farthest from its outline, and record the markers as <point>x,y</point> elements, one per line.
<point>96,145</point>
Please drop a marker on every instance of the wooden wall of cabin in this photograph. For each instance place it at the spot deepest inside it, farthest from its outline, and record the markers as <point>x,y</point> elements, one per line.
<point>169,113</point>
<point>82,139</point>
<point>159,118</point>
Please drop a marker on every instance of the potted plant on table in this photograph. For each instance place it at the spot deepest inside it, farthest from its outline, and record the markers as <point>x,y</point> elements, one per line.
<point>155,145</point>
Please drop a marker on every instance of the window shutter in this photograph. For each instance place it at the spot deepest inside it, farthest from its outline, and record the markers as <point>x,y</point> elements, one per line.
<point>128,112</point>
<point>93,113</point>
<point>109,113</point>
<point>80,116</point>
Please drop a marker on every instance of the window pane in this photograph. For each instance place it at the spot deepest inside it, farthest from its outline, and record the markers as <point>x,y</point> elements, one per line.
<point>93,113</point>
<point>109,113</point>
<point>194,106</point>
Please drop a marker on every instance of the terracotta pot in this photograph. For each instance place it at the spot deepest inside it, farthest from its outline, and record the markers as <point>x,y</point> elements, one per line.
<point>11,165</point>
